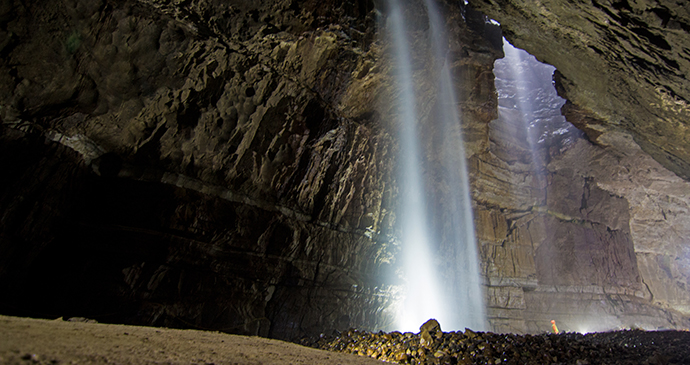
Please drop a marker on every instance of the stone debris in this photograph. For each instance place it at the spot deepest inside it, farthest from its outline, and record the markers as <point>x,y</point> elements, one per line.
<point>469,347</point>
<point>427,332</point>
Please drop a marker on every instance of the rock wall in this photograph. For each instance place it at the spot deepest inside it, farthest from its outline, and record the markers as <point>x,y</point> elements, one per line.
<point>586,253</point>
<point>568,226</point>
<point>625,61</point>
<point>193,165</point>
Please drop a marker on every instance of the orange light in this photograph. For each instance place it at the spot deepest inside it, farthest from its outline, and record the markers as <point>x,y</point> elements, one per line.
<point>553,326</point>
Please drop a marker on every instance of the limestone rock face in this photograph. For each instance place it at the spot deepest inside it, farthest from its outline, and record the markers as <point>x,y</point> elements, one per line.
<point>624,61</point>
<point>193,165</point>
<point>593,242</point>
<point>571,230</point>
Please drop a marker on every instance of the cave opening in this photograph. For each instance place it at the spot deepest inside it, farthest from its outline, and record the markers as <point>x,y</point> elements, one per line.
<point>528,100</point>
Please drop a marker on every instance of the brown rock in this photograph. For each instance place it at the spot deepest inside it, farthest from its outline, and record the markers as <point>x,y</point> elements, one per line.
<point>431,326</point>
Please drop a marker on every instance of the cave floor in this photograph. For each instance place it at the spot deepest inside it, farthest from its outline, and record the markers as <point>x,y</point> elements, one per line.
<point>37,341</point>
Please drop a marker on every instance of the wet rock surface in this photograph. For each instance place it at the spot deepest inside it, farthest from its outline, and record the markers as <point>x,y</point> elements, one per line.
<point>468,347</point>
<point>626,62</point>
<point>570,228</point>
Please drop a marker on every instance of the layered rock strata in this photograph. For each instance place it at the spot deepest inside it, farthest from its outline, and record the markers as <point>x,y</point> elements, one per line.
<point>625,61</point>
<point>573,230</point>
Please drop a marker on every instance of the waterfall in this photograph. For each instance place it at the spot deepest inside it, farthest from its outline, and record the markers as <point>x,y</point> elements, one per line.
<point>423,297</point>
<point>527,96</point>
<point>442,278</point>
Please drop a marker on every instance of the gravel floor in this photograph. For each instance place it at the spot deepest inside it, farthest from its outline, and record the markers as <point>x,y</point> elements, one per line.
<point>436,347</point>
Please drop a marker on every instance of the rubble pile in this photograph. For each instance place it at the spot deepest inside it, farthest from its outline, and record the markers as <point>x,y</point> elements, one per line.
<point>469,347</point>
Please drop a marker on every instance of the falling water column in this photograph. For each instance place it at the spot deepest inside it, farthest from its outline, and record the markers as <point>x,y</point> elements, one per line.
<point>461,303</point>
<point>422,299</point>
<point>463,286</point>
